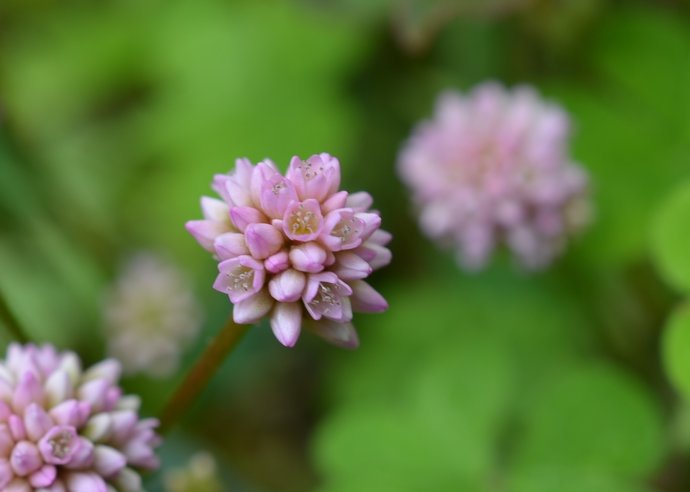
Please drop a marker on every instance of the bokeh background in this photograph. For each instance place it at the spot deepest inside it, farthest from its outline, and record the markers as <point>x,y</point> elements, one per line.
<point>115,114</point>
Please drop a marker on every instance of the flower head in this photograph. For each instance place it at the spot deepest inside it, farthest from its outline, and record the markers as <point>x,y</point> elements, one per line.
<point>293,247</point>
<point>62,428</point>
<point>493,168</point>
<point>150,314</point>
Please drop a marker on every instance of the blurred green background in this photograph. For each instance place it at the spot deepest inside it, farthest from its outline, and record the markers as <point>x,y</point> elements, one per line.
<point>115,114</point>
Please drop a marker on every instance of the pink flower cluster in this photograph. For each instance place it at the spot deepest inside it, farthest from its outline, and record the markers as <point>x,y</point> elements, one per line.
<point>294,247</point>
<point>493,167</point>
<point>64,430</point>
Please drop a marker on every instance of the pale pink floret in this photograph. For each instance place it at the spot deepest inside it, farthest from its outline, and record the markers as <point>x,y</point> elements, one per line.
<point>492,168</point>
<point>294,248</point>
<point>64,429</point>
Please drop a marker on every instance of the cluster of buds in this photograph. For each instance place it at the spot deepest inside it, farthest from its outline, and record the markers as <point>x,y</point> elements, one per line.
<point>67,430</point>
<point>150,316</point>
<point>493,168</point>
<point>294,248</point>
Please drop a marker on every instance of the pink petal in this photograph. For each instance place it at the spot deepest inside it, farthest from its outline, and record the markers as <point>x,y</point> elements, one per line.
<point>303,221</point>
<point>214,209</point>
<point>66,413</point>
<point>43,477</point>
<point>6,473</point>
<point>58,387</point>
<point>206,231</point>
<point>366,299</point>
<point>350,266</point>
<point>240,278</point>
<point>6,440</point>
<point>371,223</point>
<point>334,202</point>
<point>108,461</point>
<point>60,445</point>
<point>253,309</point>
<point>341,334</point>
<point>308,257</point>
<point>16,426</point>
<point>263,240</point>
<point>83,455</point>
<point>85,482</point>
<point>28,391</point>
<point>230,245</point>
<point>286,322</point>
<point>25,458</point>
<point>36,422</point>
<point>278,262</point>
<point>380,237</point>
<point>276,195</point>
<point>287,286</point>
<point>243,216</point>
<point>377,256</point>
<point>317,177</point>
<point>94,392</point>
<point>261,173</point>
<point>360,201</point>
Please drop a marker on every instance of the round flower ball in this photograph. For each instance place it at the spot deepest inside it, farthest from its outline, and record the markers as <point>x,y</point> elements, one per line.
<point>63,429</point>
<point>492,168</point>
<point>294,247</point>
<point>150,316</point>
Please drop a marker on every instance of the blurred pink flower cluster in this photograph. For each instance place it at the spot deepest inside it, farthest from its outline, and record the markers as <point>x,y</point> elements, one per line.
<point>67,430</point>
<point>491,168</point>
<point>294,247</point>
<point>150,316</point>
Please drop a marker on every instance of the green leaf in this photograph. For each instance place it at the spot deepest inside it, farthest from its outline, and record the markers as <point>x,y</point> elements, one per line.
<point>387,447</point>
<point>567,479</point>
<point>436,379</point>
<point>439,434</point>
<point>594,420</point>
<point>539,323</point>
<point>676,349</point>
<point>631,129</point>
<point>671,238</point>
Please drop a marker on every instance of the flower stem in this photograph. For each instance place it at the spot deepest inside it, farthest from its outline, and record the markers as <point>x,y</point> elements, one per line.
<point>202,371</point>
<point>10,321</point>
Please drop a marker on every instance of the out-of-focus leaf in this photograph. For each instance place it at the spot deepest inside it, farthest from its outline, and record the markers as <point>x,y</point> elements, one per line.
<point>538,323</point>
<point>419,22</point>
<point>631,126</point>
<point>565,479</point>
<point>54,290</point>
<point>50,282</point>
<point>671,238</point>
<point>676,350</point>
<point>441,433</point>
<point>389,448</point>
<point>560,24</point>
<point>594,421</point>
<point>448,364</point>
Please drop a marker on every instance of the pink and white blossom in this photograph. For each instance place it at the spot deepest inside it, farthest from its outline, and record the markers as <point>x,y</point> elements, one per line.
<point>492,168</point>
<point>150,314</point>
<point>293,246</point>
<point>63,429</point>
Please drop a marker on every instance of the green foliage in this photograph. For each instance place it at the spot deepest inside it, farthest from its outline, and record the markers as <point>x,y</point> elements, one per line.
<point>675,349</point>
<point>481,382</point>
<point>592,423</point>
<point>671,238</point>
<point>631,125</point>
